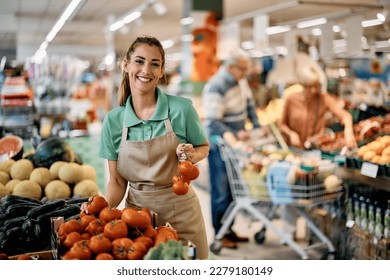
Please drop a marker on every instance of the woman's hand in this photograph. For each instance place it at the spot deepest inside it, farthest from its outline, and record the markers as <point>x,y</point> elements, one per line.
<point>243,135</point>
<point>185,152</point>
<point>294,139</point>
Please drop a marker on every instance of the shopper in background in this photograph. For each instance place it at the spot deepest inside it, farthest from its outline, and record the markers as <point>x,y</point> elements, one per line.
<point>141,141</point>
<point>304,112</point>
<point>227,104</point>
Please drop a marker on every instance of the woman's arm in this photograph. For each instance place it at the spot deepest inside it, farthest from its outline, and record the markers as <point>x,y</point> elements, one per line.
<point>116,186</point>
<point>345,119</point>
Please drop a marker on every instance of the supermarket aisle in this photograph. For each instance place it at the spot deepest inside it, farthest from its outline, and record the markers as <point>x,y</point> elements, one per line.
<point>271,249</point>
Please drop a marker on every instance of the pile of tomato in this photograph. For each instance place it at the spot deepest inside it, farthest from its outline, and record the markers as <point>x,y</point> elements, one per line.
<point>186,172</point>
<point>106,233</point>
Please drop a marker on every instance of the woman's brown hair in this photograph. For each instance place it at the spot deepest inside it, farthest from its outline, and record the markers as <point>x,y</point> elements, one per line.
<point>124,88</point>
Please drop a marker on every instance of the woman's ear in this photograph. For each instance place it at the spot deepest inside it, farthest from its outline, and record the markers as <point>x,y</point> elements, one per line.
<point>124,66</point>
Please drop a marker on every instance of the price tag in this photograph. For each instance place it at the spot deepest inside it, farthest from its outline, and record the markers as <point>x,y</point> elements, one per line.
<point>350,223</point>
<point>369,169</point>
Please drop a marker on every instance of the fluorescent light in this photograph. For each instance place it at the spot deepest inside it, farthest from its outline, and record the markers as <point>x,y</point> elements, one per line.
<point>131,17</point>
<point>312,22</point>
<point>168,44</point>
<point>381,16</point>
<point>187,21</point>
<point>277,29</point>
<point>65,16</point>
<point>371,22</point>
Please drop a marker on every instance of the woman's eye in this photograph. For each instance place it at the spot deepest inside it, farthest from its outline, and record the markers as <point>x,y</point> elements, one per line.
<point>139,61</point>
<point>156,64</point>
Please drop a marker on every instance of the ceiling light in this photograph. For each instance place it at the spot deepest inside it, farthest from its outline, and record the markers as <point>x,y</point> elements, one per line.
<point>277,29</point>
<point>371,22</point>
<point>134,14</point>
<point>159,8</point>
<point>382,16</point>
<point>336,28</point>
<point>312,22</point>
<point>70,11</point>
<point>187,21</point>
<point>316,32</point>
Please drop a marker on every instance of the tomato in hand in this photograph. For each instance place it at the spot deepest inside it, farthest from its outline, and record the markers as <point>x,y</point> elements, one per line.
<point>180,187</point>
<point>96,204</point>
<point>188,170</point>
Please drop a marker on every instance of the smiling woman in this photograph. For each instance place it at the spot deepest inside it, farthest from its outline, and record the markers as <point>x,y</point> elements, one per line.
<point>140,139</point>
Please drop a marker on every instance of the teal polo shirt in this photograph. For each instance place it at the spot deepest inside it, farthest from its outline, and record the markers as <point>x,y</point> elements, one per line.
<point>183,116</point>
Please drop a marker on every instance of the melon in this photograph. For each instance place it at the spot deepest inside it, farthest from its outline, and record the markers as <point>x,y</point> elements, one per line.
<point>3,191</point>
<point>11,184</point>
<point>86,188</point>
<point>55,167</point>
<point>52,150</point>
<point>4,177</point>
<point>41,175</point>
<point>6,165</point>
<point>89,172</point>
<point>70,173</point>
<point>21,169</point>
<point>28,188</point>
<point>57,189</point>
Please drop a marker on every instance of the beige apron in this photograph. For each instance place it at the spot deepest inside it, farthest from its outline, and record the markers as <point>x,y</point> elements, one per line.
<point>148,166</point>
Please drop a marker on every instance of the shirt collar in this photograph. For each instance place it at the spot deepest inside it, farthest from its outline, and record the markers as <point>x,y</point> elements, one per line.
<point>161,112</point>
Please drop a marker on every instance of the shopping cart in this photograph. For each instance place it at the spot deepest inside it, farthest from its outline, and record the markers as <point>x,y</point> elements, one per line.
<point>260,200</point>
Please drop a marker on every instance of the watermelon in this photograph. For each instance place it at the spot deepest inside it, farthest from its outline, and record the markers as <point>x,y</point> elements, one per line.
<point>11,147</point>
<point>52,150</point>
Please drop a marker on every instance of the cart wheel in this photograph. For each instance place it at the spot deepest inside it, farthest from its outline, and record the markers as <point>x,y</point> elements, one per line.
<point>260,236</point>
<point>216,247</point>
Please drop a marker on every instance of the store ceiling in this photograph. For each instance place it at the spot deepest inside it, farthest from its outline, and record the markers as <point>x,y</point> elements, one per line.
<point>24,24</point>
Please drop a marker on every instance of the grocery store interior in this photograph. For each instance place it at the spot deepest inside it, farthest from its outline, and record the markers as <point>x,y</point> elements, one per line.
<point>60,69</point>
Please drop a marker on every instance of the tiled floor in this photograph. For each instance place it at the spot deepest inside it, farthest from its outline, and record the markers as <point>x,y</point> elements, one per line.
<point>271,249</point>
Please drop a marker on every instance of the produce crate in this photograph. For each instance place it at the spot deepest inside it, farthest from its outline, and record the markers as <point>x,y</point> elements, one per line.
<point>41,255</point>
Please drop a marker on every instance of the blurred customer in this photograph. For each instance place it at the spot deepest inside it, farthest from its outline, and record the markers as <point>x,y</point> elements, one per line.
<point>227,104</point>
<point>304,112</point>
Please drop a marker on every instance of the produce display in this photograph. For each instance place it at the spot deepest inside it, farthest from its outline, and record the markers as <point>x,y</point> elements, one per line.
<point>106,233</point>
<point>364,130</point>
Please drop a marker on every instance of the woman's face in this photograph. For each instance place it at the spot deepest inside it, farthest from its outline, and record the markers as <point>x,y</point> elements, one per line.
<point>144,68</point>
<point>313,89</point>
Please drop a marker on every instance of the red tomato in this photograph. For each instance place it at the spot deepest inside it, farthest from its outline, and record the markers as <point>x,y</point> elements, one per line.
<point>96,204</point>
<point>104,256</point>
<point>71,238</point>
<point>188,170</point>
<point>95,227</point>
<point>136,251</point>
<point>120,248</point>
<point>80,250</point>
<point>136,218</point>
<point>180,187</point>
<point>108,214</point>
<point>100,244</point>
<point>115,229</point>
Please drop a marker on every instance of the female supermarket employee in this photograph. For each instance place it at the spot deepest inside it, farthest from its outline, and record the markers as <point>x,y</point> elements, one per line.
<point>141,141</point>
